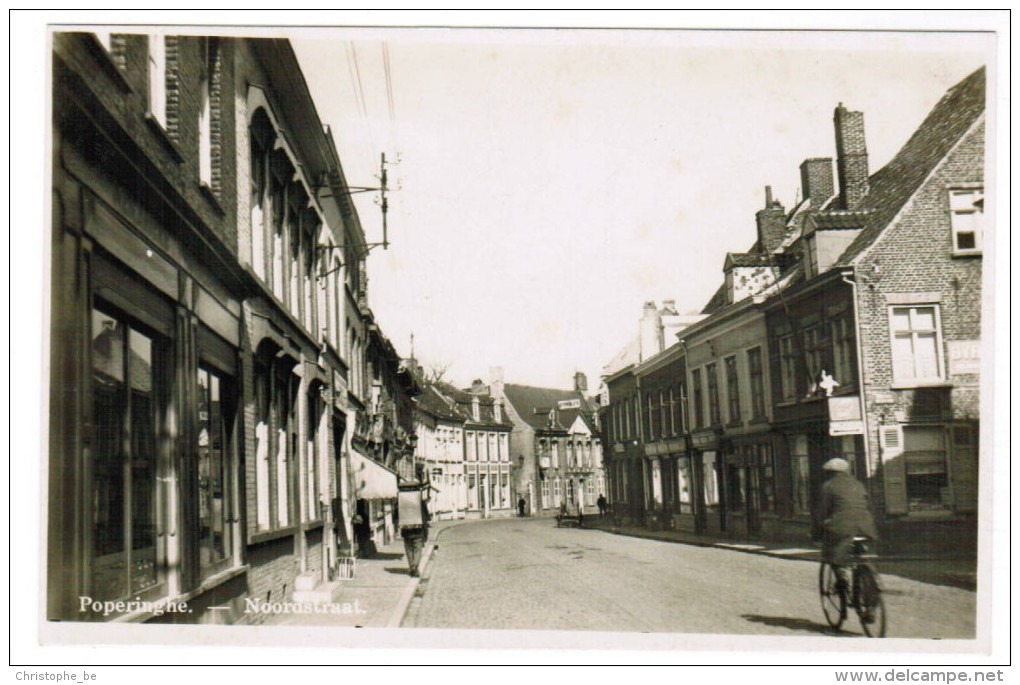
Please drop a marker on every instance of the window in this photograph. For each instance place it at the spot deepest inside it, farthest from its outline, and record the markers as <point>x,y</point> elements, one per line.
<point>555,453</point>
<point>712,380</point>
<point>799,475</point>
<point>556,492</point>
<point>546,502</point>
<point>787,367</point>
<point>766,478</point>
<point>157,79</point>
<point>967,211</point>
<point>916,344</point>
<point>732,388</point>
<point>842,333</point>
<point>209,48</point>
<point>214,503</point>
<point>127,406</point>
<point>469,436</point>
<point>261,137</point>
<point>697,399</point>
<point>756,376</point>
<point>275,443</point>
<point>813,354</point>
<point>927,477</point>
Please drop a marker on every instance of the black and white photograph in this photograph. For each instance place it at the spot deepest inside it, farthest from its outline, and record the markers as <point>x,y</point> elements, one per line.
<point>437,334</point>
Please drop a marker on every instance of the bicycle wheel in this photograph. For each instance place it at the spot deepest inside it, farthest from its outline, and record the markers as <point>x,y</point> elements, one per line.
<point>833,598</point>
<point>870,607</point>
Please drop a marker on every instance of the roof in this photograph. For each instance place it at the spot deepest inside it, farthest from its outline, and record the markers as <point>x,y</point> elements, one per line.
<point>895,183</point>
<point>461,402</point>
<point>534,405</point>
<point>434,403</point>
<point>736,259</point>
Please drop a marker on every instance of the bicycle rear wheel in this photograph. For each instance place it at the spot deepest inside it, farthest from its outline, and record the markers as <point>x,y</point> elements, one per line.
<point>870,606</point>
<point>833,597</point>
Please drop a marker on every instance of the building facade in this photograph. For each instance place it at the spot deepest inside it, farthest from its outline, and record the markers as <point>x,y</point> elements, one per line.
<point>556,445</point>
<point>440,452</point>
<point>204,256</point>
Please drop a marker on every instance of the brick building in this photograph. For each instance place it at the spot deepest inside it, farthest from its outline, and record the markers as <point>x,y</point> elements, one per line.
<point>205,261</point>
<point>556,445</point>
<point>887,288</point>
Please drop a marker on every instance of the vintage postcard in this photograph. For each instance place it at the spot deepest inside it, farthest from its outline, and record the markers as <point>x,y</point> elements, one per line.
<point>654,337</point>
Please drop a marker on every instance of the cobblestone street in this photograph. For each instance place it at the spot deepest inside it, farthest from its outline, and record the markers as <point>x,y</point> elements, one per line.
<point>529,574</point>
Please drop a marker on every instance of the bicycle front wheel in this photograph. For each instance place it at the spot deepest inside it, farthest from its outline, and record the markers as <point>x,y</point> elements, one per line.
<point>833,597</point>
<point>870,607</point>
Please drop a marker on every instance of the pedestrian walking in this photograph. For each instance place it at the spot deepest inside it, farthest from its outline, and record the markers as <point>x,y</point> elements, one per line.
<point>601,501</point>
<point>414,523</point>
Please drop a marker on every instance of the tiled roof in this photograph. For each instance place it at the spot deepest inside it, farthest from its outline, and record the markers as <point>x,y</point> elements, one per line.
<point>534,404</point>
<point>462,401</point>
<point>746,259</point>
<point>432,402</point>
<point>894,184</point>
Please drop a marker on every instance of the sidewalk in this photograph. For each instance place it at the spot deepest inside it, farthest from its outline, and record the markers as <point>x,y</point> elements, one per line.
<point>377,596</point>
<point>955,571</point>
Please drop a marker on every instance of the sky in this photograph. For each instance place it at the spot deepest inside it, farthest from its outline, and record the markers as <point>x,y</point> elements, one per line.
<point>550,182</point>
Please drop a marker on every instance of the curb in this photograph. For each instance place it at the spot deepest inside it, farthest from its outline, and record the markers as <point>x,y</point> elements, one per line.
<point>961,581</point>
<point>408,594</point>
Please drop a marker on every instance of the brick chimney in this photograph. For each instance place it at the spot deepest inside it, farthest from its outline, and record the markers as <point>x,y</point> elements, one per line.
<point>580,382</point>
<point>771,224</point>
<point>816,180</point>
<point>852,157</point>
<point>651,339</point>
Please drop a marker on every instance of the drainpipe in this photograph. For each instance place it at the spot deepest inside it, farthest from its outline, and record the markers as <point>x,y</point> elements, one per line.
<point>848,278</point>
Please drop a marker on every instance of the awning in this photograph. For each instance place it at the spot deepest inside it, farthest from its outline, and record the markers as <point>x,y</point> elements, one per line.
<point>372,480</point>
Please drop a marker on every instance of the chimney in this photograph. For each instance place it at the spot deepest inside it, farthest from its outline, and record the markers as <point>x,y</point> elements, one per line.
<point>580,382</point>
<point>478,387</point>
<point>651,339</point>
<point>496,381</point>
<point>771,224</point>
<point>852,157</point>
<point>668,308</point>
<point>816,180</point>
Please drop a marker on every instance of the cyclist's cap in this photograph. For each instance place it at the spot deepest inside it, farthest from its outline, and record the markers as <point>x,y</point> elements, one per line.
<point>837,464</point>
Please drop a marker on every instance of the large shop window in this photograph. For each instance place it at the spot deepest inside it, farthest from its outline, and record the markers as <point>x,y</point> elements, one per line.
<point>128,406</point>
<point>916,348</point>
<point>215,412</point>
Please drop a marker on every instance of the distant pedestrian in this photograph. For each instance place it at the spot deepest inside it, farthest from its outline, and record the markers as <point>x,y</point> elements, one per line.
<point>601,501</point>
<point>521,504</point>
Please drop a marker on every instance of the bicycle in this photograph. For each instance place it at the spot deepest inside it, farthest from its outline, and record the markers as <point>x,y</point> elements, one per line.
<point>864,594</point>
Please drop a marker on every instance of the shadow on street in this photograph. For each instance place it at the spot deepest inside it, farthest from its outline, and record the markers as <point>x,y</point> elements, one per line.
<point>794,624</point>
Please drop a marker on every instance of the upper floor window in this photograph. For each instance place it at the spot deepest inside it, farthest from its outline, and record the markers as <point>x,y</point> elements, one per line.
<point>732,388</point>
<point>205,112</point>
<point>916,344</point>
<point>697,399</point>
<point>842,334</point>
<point>157,79</point>
<point>787,366</point>
<point>967,211</point>
<point>756,376</point>
<point>712,381</point>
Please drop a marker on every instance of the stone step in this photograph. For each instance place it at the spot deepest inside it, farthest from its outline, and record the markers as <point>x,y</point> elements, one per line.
<point>324,593</point>
<point>306,581</point>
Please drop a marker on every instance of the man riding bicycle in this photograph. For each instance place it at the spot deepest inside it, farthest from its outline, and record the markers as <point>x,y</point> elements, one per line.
<point>844,514</point>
